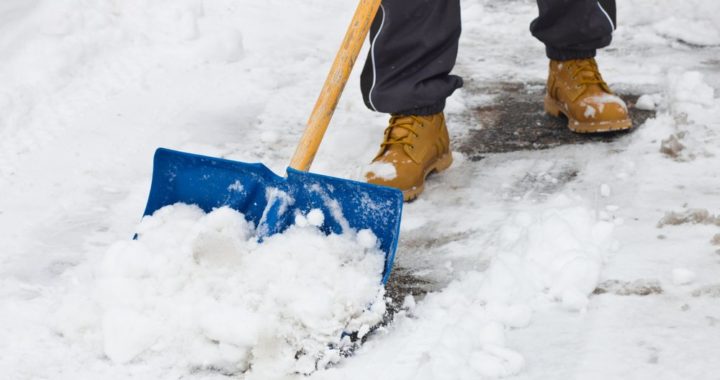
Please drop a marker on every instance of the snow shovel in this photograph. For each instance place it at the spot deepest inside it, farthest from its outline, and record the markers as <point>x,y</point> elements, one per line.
<point>271,202</point>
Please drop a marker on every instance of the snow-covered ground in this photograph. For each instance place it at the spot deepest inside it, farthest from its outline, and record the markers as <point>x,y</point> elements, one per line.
<point>580,262</point>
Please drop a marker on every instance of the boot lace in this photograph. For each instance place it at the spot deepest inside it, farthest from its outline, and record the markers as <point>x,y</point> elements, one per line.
<point>585,72</point>
<point>402,122</point>
<point>407,123</point>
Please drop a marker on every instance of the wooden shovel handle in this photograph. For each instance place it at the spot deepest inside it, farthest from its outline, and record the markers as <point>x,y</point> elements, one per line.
<point>334,84</point>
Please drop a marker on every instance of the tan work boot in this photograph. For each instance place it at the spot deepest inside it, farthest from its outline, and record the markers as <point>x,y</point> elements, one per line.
<point>413,147</point>
<point>576,90</point>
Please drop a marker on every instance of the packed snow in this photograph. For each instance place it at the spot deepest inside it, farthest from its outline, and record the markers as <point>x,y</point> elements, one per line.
<point>593,261</point>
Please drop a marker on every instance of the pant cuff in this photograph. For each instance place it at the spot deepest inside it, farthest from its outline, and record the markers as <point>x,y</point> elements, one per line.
<point>566,55</point>
<point>423,111</point>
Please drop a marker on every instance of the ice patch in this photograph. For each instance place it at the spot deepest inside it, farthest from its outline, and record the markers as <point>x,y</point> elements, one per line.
<point>199,288</point>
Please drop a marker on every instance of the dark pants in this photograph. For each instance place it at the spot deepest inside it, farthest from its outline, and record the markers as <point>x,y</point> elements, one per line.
<point>414,45</point>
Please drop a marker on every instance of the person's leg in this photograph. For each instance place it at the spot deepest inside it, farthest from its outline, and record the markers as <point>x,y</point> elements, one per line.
<point>414,44</point>
<point>572,31</point>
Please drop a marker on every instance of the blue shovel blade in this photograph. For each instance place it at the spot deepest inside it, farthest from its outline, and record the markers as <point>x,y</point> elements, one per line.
<point>271,202</point>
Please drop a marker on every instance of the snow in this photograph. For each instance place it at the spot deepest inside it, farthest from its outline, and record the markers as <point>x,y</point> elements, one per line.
<point>648,102</point>
<point>198,290</point>
<point>316,217</point>
<point>605,191</point>
<point>367,239</point>
<point>695,32</point>
<point>683,276</point>
<point>523,279</point>
<point>688,90</point>
<point>602,100</point>
<point>590,112</point>
<point>381,170</point>
<point>236,186</point>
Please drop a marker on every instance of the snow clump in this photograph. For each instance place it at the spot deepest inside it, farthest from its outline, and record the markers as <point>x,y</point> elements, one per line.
<point>382,170</point>
<point>199,289</point>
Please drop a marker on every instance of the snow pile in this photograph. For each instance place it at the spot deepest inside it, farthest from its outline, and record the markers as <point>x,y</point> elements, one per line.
<point>688,92</point>
<point>92,87</point>
<point>546,258</point>
<point>694,110</point>
<point>559,256</point>
<point>197,290</point>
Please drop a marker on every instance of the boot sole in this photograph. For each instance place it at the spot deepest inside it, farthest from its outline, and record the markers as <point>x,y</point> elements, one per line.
<point>553,108</point>
<point>440,165</point>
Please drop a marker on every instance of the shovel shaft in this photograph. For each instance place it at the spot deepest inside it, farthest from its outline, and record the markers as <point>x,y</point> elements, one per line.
<point>334,85</point>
